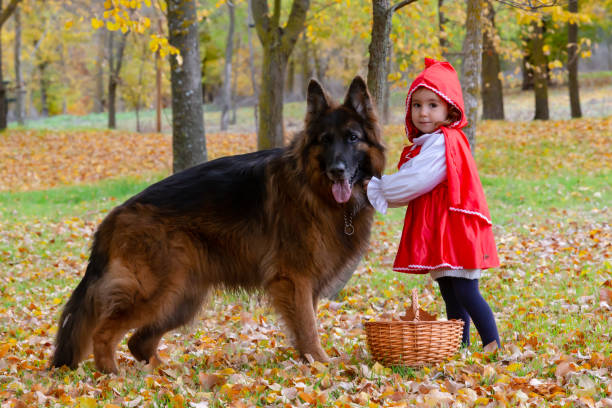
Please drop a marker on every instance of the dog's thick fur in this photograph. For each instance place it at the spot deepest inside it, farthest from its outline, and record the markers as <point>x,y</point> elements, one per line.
<point>270,220</point>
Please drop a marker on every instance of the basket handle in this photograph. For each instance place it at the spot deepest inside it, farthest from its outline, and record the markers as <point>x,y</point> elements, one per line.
<point>415,304</point>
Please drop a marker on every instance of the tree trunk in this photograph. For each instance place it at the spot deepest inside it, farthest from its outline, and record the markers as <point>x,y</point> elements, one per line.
<point>251,25</point>
<point>380,46</point>
<point>19,89</point>
<point>472,60</point>
<point>441,30</point>
<point>112,98</point>
<point>379,51</point>
<point>115,62</point>
<point>226,92</point>
<point>572,62</point>
<point>492,90</point>
<point>3,101</point>
<point>44,106</point>
<point>5,13</point>
<point>158,85</point>
<point>235,84</point>
<point>539,64</point>
<point>99,97</point>
<point>188,137</point>
<point>271,129</point>
<point>61,52</point>
<point>277,43</point>
<point>387,94</point>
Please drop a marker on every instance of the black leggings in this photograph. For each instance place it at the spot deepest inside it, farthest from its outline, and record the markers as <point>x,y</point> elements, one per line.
<point>463,300</point>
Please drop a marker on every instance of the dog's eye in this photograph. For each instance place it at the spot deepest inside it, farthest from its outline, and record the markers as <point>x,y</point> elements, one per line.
<point>353,137</point>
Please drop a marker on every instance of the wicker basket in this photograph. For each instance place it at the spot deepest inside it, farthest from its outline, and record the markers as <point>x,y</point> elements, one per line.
<point>416,340</point>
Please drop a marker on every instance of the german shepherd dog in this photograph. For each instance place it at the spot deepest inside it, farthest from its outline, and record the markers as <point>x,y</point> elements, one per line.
<point>287,221</point>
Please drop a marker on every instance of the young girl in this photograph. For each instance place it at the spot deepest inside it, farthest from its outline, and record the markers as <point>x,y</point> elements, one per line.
<point>447,230</point>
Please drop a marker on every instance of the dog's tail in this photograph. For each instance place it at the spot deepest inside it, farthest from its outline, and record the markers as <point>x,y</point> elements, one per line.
<point>74,334</point>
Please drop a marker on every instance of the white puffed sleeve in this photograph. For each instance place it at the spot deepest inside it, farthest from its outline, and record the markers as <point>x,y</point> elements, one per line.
<point>416,177</point>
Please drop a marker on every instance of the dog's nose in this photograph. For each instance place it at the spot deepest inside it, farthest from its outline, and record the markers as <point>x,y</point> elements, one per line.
<point>338,170</point>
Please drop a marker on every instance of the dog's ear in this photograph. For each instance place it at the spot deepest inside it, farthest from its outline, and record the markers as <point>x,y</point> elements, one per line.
<point>358,98</point>
<point>316,101</point>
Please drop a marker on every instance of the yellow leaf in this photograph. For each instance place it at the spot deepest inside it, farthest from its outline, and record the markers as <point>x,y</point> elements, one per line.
<point>513,367</point>
<point>95,23</point>
<point>378,369</point>
<point>87,402</point>
<point>68,25</point>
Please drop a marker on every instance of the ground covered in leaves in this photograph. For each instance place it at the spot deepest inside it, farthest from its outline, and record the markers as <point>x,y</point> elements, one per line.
<point>548,185</point>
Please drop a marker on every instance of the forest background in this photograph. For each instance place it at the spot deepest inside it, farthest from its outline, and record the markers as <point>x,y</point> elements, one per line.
<point>72,152</point>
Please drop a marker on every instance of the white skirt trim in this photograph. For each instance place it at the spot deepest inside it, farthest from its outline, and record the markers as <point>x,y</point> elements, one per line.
<point>457,273</point>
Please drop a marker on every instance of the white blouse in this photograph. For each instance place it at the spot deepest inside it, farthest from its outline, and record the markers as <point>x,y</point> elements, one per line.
<point>416,177</point>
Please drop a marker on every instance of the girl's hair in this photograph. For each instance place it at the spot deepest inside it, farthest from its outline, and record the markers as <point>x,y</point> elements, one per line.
<point>454,115</point>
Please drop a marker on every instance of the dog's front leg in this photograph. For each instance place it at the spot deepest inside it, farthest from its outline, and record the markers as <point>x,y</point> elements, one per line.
<point>293,299</point>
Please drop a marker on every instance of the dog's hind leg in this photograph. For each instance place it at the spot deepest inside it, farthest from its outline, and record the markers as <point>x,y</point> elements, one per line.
<point>120,305</point>
<point>293,299</point>
<point>105,339</point>
<point>144,342</point>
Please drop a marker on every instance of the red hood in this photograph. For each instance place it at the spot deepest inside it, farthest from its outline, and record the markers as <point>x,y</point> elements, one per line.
<point>441,78</point>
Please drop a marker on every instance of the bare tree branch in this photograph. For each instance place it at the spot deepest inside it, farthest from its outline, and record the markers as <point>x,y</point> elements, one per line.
<point>399,5</point>
<point>8,11</point>
<point>261,18</point>
<point>295,24</point>
<point>529,5</point>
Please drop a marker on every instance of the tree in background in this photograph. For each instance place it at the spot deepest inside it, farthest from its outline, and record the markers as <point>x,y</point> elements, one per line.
<point>539,64</point>
<point>115,61</point>
<point>19,86</point>
<point>491,87</point>
<point>380,46</point>
<point>278,43</point>
<point>188,137</point>
<point>226,92</point>
<point>471,67</point>
<point>572,61</point>
<point>5,13</point>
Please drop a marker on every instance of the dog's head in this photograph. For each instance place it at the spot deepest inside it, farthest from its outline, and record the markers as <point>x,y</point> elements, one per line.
<point>342,141</point>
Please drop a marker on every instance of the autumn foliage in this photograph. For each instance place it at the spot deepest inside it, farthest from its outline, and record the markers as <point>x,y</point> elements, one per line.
<point>552,296</point>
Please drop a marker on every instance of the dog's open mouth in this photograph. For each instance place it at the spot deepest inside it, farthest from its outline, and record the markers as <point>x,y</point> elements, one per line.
<point>342,189</point>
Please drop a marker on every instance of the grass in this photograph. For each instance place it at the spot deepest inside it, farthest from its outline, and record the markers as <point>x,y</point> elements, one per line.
<point>58,203</point>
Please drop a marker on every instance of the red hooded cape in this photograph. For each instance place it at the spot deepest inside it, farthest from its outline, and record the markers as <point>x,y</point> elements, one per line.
<point>449,227</point>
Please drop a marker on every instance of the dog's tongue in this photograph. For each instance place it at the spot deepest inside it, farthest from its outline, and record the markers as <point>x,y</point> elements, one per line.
<point>341,191</point>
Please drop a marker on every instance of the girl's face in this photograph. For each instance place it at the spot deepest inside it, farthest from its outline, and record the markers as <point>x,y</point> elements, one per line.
<point>428,110</point>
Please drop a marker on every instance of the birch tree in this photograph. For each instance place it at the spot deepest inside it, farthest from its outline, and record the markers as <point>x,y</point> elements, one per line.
<point>188,138</point>
<point>226,90</point>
